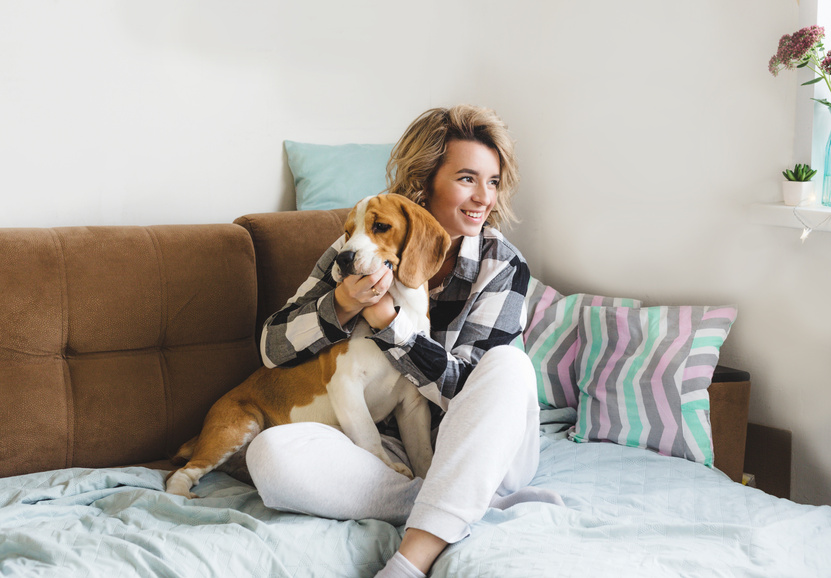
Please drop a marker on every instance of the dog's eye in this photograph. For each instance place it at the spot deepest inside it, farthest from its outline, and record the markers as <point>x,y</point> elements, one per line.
<point>381,228</point>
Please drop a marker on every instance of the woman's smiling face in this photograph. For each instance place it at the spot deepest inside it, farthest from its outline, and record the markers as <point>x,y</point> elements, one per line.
<point>463,191</point>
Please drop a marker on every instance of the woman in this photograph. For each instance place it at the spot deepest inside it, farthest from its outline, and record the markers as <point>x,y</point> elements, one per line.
<point>459,164</point>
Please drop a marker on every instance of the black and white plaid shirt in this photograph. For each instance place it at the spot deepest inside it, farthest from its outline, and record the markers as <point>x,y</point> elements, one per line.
<point>479,306</point>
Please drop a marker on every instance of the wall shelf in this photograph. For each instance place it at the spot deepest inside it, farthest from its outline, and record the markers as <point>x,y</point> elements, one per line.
<point>780,215</point>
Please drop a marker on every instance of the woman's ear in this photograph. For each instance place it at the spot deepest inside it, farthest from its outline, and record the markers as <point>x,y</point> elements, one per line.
<point>424,248</point>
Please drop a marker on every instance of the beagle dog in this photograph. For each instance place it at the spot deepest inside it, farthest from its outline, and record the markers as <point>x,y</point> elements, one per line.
<point>351,385</point>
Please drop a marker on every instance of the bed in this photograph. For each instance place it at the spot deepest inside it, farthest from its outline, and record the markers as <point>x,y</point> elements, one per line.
<point>629,512</point>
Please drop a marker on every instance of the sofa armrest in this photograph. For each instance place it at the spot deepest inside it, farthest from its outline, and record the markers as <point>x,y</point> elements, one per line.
<point>729,403</point>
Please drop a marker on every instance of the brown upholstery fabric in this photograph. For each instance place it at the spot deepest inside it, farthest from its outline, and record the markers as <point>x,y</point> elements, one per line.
<point>729,405</point>
<point>115,341</point>
<point>287,246</point>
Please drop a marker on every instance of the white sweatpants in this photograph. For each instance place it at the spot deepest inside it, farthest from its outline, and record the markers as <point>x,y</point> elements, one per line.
<point>487,445</point>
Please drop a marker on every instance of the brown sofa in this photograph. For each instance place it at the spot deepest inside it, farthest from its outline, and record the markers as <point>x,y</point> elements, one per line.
<point>115,341</point>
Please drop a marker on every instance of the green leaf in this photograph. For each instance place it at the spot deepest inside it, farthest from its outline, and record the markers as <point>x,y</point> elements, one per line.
<point>816,80</point>
<point>803,65</point>
<point>822,101</point>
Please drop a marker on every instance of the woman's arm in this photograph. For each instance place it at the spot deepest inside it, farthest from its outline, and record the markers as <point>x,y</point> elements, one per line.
<point>309,321</point>
<point>490,316</point>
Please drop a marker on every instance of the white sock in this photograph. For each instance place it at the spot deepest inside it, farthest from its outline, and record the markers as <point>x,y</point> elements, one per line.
<point>527,494</point>
<point>399,567</point>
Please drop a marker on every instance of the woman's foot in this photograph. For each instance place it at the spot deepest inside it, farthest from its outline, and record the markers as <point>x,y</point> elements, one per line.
<point>399,567</point>
<point>417,552</point>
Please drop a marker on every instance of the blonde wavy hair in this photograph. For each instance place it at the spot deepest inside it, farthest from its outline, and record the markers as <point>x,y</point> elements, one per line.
<point>420,152</point>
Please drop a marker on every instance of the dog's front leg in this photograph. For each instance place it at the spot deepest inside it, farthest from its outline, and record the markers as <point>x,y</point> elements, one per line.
<point>413,416</point>
<point>353,415</point>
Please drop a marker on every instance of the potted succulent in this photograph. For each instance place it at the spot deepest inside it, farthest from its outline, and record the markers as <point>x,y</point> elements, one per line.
<point>798,186</point>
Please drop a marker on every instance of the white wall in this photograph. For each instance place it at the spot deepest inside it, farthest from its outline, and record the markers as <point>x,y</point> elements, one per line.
<point>644,128</point>
<point>175,111</point>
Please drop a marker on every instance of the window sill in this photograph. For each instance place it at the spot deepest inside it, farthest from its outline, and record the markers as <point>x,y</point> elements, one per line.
<point>780,215</point>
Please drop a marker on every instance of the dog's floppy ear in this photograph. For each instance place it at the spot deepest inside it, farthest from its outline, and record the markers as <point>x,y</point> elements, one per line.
<point>424,246</point>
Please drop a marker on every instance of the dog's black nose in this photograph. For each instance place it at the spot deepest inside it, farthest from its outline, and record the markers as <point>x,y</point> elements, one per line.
<point>344,260</point>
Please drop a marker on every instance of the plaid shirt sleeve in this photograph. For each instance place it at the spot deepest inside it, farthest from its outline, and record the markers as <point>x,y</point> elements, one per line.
<point>479,308</point>
<point>308,322</point>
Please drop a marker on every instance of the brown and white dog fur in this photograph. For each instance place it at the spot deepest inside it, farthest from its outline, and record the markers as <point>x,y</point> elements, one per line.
<point>351,385</point>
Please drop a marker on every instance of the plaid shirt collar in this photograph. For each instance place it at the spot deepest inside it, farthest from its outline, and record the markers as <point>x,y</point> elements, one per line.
<point>469,261</point>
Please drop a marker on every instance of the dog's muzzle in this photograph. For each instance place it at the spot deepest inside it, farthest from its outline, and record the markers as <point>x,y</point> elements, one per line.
<point>346,263</point>
<point>345,259</point>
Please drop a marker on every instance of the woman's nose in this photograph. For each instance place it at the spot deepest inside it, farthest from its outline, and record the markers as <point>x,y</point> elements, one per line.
<point>482,193</point>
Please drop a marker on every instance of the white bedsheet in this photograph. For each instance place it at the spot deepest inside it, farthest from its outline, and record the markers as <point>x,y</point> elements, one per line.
<point>629,513</point>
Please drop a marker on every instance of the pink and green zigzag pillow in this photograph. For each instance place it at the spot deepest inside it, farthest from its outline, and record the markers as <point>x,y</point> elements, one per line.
<point>550,339</point>
<point>643,376</point>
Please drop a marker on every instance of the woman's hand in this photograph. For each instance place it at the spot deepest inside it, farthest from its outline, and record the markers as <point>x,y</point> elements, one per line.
<point>358,293</point>
<point>380,315</point>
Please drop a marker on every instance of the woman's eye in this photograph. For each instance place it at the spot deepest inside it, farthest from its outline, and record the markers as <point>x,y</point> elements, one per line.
<point>494,183</point>
<point>467,179</point>
<point>380,228</point>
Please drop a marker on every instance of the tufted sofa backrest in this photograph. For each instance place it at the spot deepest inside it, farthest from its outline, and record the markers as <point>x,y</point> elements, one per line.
<point>115,341</point>
<point>288,244</point>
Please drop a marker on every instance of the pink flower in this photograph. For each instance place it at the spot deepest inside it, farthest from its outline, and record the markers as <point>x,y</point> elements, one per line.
<point>825,65</point>
<point>796,48</point>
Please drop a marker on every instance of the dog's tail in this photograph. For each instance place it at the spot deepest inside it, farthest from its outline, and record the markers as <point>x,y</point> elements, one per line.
<point>185,452</point>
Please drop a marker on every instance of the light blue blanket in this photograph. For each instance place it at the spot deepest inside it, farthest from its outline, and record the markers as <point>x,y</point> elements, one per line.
<point>629,513</point>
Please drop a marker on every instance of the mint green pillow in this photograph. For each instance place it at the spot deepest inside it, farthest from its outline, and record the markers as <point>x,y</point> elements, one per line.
<point>336,176</point>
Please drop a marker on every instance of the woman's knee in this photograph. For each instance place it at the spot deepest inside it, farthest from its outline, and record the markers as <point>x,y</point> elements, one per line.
<point>503,380</point>
<point>511,355</point>
<point>276,456</point>
<point>513,368</point>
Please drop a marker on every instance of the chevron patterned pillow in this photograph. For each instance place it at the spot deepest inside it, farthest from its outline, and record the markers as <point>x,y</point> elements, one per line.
<point>550,339</point>
<point>643,376</point>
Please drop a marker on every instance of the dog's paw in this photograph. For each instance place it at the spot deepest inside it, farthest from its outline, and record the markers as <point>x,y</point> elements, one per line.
<point>187,494</point>
<point>178,484</point>
<point>402,469</point>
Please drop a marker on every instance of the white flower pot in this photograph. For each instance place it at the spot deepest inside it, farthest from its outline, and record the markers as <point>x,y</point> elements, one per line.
<point>795,192</point>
